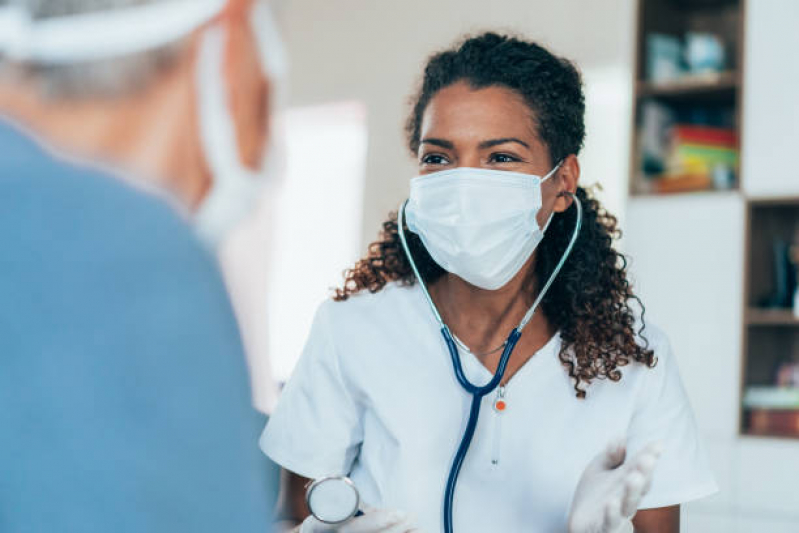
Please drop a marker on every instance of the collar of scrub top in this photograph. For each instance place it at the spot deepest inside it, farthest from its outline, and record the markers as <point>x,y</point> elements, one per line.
<point>100,35</point>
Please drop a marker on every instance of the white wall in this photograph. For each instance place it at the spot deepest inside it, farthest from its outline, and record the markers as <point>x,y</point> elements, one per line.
<point>686,266</point>
<point>771,106</point>
<point>281,262</point>
<point>373,51</point>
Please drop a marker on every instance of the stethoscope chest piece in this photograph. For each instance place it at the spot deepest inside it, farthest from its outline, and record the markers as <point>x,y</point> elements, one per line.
<point>333,500</point>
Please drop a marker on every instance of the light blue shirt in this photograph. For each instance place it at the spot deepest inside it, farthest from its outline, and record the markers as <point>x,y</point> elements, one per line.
<point>124,397</point>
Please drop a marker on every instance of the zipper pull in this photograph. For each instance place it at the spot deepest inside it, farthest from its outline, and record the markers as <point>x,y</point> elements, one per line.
<point>499,407</point>
<point>499,403</point>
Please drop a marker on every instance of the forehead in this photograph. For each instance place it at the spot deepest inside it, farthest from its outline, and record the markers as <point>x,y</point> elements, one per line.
<point>462,113</point>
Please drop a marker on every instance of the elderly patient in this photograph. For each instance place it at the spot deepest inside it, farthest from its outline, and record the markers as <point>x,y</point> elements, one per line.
<point>123,386</point>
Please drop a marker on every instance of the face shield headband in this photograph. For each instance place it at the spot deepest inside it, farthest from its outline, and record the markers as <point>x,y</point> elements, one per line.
<point>100,35</point>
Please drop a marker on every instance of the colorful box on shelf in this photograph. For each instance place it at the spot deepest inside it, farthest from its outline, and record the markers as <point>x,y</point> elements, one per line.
<point>699,158</point>
<point>705,136</point>
<point>675,183</point>
<point>774,422</point>
<point>773,410</point>
<point>701,150</point>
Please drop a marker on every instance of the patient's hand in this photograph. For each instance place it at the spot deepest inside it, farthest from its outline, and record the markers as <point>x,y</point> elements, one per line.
<point>610,490</point>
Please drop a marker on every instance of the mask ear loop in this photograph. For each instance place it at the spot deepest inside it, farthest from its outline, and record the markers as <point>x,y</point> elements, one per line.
<point>549,175</point>
<point>554,169</point>
<point>407,249</point>
<point>578,225</point>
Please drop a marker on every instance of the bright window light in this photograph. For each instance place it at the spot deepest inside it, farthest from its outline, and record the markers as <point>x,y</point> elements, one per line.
<point>283,261</point>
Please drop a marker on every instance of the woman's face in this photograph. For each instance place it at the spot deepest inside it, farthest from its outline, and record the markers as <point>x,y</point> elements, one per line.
<point>490,128</point>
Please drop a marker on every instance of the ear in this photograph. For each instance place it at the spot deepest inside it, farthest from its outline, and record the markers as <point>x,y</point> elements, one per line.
<point>247,85</point>
<point>567,177</point>
<point>238,8</point>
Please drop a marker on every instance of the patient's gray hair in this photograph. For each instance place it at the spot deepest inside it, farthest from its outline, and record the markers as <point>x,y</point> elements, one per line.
<point>104,78</point>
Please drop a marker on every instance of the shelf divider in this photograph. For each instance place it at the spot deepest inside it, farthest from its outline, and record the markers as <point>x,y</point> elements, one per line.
<point>771,317</point>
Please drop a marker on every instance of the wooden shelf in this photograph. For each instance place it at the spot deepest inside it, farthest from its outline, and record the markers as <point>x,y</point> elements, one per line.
<point>777,436</point>
<point>704,4</point>
<point>771,317</point>
<point>774,201</point>
<point>717,87</point>
<point>683,194</point>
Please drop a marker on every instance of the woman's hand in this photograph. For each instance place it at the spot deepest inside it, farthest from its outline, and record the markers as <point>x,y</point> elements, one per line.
<point>372,521</point>
<point>610,490</point>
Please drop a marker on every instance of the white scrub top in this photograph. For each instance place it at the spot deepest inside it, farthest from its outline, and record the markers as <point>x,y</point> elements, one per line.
<point>374,397</point>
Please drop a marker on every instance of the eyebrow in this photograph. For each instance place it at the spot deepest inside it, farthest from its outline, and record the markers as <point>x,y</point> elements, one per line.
<point>483,145</point>
<point>496,142</point>
<point>439,142</point>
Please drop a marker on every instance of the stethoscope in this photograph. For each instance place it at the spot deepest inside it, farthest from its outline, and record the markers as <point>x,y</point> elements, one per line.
<point>335,500</point>
<point>478,392</point>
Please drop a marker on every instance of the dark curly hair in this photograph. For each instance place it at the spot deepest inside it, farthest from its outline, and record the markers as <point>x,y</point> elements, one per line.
<point>589,301</point>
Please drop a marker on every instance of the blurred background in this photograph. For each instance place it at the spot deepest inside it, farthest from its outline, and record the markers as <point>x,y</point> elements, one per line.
<point>692,119</point>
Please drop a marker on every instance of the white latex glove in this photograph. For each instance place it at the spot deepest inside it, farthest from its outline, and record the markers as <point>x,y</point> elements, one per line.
<point>611,489</point>
<point>372,521</point>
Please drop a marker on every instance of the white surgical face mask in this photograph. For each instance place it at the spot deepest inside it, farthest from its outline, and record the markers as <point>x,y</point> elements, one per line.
<point>236,188</point>
<point>478,224</point>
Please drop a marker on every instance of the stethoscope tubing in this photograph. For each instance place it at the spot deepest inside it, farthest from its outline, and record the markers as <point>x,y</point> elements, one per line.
<point>478,392</point>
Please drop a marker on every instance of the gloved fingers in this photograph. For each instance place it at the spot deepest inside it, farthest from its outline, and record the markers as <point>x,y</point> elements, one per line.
<point>626,527</point>
<point>615,453</point>
<point>609,458</point>
<point>406,526</point>
<point>634,484</point>
<point>647,469</point>
<point>653,450</point>
<point>374,521</point>
<point>312,525</point>
<point>613,518</point>
<point>645,462</point>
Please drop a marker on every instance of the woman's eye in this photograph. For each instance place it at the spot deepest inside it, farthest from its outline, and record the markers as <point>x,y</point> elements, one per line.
<point>503,158</point>
<point>434,159</point>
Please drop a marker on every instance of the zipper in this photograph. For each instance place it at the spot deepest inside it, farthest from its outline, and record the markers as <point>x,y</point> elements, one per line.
<point>500,405</point>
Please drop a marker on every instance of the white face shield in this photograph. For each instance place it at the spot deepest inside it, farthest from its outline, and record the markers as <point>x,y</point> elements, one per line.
<point>100,35</point>
<point>105,35</point>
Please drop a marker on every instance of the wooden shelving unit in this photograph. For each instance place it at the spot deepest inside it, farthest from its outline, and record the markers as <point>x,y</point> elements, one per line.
<point>706,99</point>
<point>770,330</point>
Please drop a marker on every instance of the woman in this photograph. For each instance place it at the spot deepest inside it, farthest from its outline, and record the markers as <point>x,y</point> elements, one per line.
<point>374,395</point>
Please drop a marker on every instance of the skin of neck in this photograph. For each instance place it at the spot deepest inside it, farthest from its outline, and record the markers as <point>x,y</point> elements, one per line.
<point>483,319</point>
<point>150,134</point>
